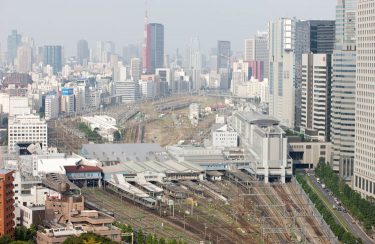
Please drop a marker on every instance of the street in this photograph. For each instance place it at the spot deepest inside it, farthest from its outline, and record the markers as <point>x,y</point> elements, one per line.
<point>350,223</point>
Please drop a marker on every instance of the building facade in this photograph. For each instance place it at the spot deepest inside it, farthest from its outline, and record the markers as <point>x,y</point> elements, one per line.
<point>83,52</point>
<point>6,203</point>
<point>316,95</point>
<point>153,53</point>
<point>26,129</point>
<point>52,55</point>
<point>51,107</point>
<point>128,90</point>
<point>364,166</point>
<point>282,70</point>
<point>343,89</point>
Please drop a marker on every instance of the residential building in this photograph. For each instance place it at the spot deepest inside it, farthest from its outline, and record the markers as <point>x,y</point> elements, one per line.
<point>316,95</point>
<point>254,89</point>
<point>6,203</point>
<point>52,55</point>
<point>25,130</point>
<point>153,53</point>
<point>240,74</point>
<point>364,165</point>
<point>282,70</point>
<point>343,89</point>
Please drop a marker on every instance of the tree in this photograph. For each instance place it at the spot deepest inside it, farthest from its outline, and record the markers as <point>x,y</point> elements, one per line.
<point>140,237</point>
<point>149,239</point>
<point>5,239</point>
<point>116,135</point>
<point>88,238</point>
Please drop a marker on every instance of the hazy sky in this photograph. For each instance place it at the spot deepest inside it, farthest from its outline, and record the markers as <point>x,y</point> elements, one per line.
<point>66,21</point>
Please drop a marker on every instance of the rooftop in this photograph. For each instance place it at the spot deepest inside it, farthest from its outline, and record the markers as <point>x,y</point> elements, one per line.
<point>82,168</point>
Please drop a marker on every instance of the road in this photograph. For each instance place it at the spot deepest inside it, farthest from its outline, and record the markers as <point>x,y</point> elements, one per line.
<point>348,220</point>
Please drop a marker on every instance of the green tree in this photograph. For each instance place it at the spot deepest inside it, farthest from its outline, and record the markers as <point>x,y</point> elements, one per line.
<point>5,239</point>
<point>140,237</point>
<point>116,135</point>
<point>88,238</point>
<point>149,239</point>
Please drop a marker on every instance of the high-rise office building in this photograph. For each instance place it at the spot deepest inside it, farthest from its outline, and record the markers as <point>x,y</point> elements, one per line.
<point>135,69</point>
<point>256,49</point>
<point>51,106</point>
<point>316,95</point>
<point>249,49</point>
<point>52,55</point>
<point>83,52</point>
<point>223,55</point>
<point>282,70</point>
<point>343,89</point>
<point>153,50</point>
<point>14,41</point>
<point>312,36</point>
<point>6,203</point>
<point>364,165</point>
<point>129,52</point>
<point>24,59</point>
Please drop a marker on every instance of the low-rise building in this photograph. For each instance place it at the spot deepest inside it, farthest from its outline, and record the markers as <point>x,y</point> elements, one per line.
<point>103,124</point>
<point>308,154</point>
<point>66,216</point>
<point>224,136</point>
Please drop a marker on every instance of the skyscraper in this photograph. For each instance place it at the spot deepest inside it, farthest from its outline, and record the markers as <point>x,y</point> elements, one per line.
<point>153,53</point>
<point>83,52</point>
<point>282,70</point>
<point>364,166</point>
<point>343,89</point>
<point>316,95</point>
<point>52,55</point>
<point>256,49</point>
<point>312,36</point>
<point>24,59</point>
<point>223,55</point>
<point>14,41</point>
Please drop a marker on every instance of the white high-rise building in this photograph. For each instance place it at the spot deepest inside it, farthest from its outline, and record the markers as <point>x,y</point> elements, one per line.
<point>51,107</point>
<point>128,90</point>
<point>24,59</point>
<point>281,70</point>
<point>135,69</point>
<point>364,165</point>
<point>316,95</point>
<point>343,89</point>
<point>26,129</point>
<point>240,74</point>
<point>249,49</point>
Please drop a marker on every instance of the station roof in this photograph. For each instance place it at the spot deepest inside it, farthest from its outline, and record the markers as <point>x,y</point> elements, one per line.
<point>81,169</point>
<point>121,152</point>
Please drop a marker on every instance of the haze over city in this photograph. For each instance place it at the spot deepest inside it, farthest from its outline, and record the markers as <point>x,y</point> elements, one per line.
<point>62,22</point>
<point>187,121</point>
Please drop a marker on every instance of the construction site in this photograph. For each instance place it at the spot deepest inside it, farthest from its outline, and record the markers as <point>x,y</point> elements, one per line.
<point>237,209</point>
<point>163,121</point>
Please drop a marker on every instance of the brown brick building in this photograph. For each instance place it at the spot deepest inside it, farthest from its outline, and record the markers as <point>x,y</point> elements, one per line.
<point>6,203</point>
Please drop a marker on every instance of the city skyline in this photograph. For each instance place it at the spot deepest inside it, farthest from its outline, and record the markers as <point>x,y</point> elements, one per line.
<point>70,24</point>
